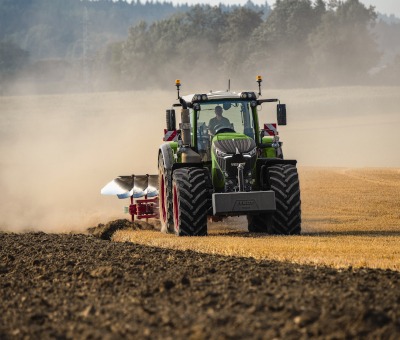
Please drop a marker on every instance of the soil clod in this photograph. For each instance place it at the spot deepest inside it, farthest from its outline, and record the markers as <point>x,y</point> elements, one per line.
<point>105,231</point>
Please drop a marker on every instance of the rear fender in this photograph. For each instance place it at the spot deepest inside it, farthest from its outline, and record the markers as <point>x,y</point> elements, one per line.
<point>167,153</point>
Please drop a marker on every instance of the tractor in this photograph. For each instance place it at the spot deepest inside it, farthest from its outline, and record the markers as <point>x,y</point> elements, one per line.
<point>219,163</point>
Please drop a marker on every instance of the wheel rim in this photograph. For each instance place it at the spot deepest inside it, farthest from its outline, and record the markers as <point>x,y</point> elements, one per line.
<point>176,209</point>
<point>163,209</point>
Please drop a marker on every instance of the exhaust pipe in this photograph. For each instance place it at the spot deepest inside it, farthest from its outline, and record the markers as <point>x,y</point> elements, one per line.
<point>188,155</point>
<point>185,127</point>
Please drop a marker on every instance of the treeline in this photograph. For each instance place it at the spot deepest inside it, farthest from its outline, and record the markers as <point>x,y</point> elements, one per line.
<point>57,28</point>
<point>301,43</point>
<point>60,28</point>
<point>55,40</point>
<point>66,45</point>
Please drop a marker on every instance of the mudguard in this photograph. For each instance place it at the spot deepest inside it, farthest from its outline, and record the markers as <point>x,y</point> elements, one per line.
<point>168,155</point>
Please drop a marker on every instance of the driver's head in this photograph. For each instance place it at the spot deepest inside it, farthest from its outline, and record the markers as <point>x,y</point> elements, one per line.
<point>218,111</point>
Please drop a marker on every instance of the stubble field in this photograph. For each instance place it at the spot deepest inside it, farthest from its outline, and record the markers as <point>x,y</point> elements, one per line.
<point>351,217</point>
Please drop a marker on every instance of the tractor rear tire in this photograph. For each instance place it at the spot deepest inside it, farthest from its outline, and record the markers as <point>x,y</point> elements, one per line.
<point>259,223</point>
<point>286,220</point>
<point>190,201</point>
<point>165,197</point>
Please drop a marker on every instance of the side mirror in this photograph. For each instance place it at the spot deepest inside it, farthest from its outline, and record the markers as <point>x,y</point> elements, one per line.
<point>281,114</point>
<point>171,122</point>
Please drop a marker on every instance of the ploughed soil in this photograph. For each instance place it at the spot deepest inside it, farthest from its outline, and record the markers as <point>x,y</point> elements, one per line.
<point>81,286</point>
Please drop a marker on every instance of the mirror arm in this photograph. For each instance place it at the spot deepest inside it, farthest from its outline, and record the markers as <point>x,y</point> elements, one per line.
<point>260,101</point>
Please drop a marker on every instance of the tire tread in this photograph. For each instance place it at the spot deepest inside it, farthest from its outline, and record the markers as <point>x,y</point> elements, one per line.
<point>191,186</point>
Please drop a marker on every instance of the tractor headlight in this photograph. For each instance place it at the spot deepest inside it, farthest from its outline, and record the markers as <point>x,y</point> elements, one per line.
<point>222,154</point>
<point>247,95</point>
<point>251,153</point>
<point>199,98</point>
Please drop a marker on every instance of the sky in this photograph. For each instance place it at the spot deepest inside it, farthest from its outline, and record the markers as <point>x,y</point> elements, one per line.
<point>383,6</point>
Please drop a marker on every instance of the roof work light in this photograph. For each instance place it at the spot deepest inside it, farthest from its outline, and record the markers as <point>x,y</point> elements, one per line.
<point>259,81</point>
<point>178,85</point>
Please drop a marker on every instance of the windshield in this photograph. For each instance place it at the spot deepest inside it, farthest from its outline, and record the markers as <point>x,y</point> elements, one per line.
<point>217,115</point>
<point>222,116</point>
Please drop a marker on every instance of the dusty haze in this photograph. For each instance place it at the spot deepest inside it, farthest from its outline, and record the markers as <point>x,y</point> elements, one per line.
<point>58,151</point>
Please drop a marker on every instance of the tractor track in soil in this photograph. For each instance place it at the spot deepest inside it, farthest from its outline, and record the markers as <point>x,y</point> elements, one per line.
<point>74,285</point>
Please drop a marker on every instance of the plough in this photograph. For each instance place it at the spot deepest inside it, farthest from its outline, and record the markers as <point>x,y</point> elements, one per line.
<point>136,187</point>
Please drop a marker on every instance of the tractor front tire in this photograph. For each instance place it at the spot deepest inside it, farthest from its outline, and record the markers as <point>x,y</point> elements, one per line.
<point>283,179</point>
<point>286,220</point>
<point>165,197</point>
<point>190,201</point>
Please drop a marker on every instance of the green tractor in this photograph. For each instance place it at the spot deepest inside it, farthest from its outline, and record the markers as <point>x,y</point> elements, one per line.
<point>219,163</point>
<point>223,164</point>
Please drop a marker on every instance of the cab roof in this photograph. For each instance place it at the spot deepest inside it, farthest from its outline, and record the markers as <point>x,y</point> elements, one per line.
<point>219,95</point>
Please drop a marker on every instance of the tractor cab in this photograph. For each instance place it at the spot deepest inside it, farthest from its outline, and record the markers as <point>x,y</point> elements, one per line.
<point>219,113</point>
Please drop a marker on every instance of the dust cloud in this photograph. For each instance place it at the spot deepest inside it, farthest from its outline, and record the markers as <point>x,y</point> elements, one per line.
<point>58,151</point>
<point>343,126</point>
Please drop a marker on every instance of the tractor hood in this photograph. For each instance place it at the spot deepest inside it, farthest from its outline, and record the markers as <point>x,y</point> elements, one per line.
<point>233,143</point>
<point>231,150</point>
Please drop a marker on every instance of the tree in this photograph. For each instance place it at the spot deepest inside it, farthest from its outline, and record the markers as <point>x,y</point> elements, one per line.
<point>281,42</point>
<point>109,73</point>
<point>343,49</point>
<point>186,43</point>
<point>234,48</point>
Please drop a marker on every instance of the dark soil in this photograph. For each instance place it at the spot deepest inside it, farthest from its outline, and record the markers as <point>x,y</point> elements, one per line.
<point>106,231</point>
<point>79,286</point>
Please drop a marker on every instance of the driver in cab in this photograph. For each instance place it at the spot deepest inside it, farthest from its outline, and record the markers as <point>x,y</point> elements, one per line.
<point>218,121</point>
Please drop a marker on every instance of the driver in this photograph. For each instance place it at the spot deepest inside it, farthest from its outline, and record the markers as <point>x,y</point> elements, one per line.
<point>218,121</point>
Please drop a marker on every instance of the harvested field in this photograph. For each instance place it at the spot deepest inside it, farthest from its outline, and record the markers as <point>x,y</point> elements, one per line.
<point>351,217</point>
<point>77,286</point>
